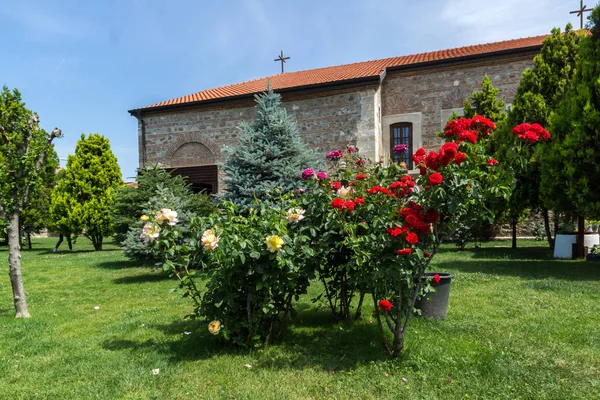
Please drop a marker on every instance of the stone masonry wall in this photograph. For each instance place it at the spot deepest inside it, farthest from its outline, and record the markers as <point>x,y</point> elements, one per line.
<point>326,121</point>
<point>332,119</point>
<point>432,90</point>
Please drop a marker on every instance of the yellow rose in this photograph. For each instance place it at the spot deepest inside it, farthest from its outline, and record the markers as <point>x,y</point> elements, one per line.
<point>274,243</point>
<point>210,241</point>
<point>214,327</point>
<point>144,218</point>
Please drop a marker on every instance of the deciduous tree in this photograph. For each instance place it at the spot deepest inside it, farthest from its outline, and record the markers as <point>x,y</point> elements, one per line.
<point>25,147</point>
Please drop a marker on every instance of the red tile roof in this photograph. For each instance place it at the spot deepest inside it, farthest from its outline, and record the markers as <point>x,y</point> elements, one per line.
<point>347,72</point>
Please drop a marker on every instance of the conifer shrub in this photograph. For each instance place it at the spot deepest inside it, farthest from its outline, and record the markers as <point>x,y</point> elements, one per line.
<point>268,155</point>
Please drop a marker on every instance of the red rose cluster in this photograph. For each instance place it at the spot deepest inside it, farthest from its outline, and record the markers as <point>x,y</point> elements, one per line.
<point>378,189</point>
<point>447,154</point>
<point>403,187</point>
<point>469,128</point>
<point>415,220</point>
<point>436,280</point>
<point>531,133</point>
<point>342,204</point>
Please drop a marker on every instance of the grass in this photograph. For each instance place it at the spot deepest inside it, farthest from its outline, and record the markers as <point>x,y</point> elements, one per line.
<point>520,326</point>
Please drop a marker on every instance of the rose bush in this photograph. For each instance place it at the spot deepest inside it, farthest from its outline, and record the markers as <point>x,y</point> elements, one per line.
<point>376,228</point>
<point>362,228</point>
<point>253,266</point>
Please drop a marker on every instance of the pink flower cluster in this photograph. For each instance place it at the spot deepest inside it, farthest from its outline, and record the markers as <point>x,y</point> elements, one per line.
<point>334,155</point>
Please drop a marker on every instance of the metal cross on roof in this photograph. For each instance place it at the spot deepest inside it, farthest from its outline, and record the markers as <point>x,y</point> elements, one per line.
<point>282,59</point>
<point>580,12</point>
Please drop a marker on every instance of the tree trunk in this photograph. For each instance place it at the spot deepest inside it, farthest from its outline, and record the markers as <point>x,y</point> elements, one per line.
<point>514,232</point>
<point>547,228</point>
<point>29,240</point>
<point>580,237</point>
<point>14,261</point>
<point>359,307</point>
<point>97,242</point>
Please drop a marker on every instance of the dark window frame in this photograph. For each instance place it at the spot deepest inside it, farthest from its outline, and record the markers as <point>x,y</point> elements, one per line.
<point>394,142</point>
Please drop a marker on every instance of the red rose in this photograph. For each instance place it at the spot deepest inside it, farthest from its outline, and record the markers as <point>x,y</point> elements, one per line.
<point>492,161</point>
<point>419,156</point>
<point>426,254</point>
<point>456,127</point>
<point>360,177</point>
<point>460,157</point>
<point>520,130</point>
<point>531,137</point>
<point>396,185</point>
<point>449,149</point>
<point>349,205</point>
<point>432,160</point>
<point>542,133</point>
<point>423,228</point>
<point>359,200</point>
<point>394,232</point>
<point>436,178</point>
<point>414,205</point>
<point>435,280</point>
<point>412,220</point>
<point>422,170</point>
<point>482,125</point>
<point>350,149</point>
<point>404,252</point>
<point>336,185</point>
<point>432,216</point>
<point>385,305</point>
<point>469,136</point>
<point>412,238</point>
<point>337,203</point>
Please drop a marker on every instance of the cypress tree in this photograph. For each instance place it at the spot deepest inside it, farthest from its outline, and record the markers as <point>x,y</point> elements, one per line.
<point>270,154</point>
<point>82,199</point>
<point>539,92</point>
<point>485,103</point>
<point>571,176</point>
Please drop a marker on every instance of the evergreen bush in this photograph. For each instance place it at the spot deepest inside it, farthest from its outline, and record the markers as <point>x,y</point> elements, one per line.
<point>268,155</point>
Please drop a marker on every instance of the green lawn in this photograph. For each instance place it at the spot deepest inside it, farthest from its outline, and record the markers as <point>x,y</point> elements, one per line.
<point>520,326</point>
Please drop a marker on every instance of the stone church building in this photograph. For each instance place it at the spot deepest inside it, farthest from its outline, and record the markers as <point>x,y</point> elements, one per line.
<point>373,105</point>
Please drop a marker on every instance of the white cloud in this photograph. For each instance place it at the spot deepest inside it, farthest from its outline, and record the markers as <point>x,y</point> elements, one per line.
<point>491,20</point>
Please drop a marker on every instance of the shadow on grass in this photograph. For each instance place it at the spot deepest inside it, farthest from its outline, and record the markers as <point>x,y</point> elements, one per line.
<point>308,341</point>
<point>528,269</point>
<point>500,252</point>
<point>122,264</point>
<point>152,277</point>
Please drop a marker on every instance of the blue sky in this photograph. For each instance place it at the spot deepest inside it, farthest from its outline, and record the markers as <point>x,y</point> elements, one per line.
<point>82,64</point>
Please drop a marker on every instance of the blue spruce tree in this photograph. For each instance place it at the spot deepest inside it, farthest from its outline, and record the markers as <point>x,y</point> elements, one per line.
<point>270,155</point>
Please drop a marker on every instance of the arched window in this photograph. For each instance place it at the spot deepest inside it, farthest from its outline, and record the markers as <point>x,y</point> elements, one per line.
<point>402,133</point>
